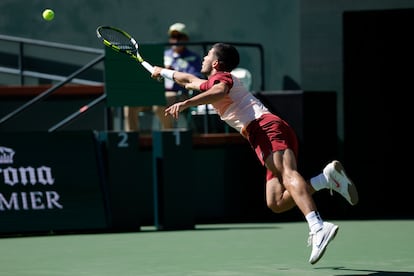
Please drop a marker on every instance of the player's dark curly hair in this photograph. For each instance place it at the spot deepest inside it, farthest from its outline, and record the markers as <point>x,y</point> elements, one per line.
<point>227,55</point>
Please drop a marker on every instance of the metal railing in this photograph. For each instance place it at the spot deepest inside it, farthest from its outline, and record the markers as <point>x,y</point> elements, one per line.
<point>22,71</point>
<point>21,67</point>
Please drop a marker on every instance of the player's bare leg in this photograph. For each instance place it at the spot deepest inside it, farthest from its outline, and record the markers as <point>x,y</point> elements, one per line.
<point>289,188</point>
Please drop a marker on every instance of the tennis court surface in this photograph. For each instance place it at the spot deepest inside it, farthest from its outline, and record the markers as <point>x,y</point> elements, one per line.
<point>371,247</point>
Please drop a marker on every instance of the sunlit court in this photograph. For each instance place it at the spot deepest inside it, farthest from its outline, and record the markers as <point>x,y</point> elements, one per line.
<point>378,247</point>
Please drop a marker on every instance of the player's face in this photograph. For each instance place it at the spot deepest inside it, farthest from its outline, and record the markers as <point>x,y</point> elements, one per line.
<point>208,62</point>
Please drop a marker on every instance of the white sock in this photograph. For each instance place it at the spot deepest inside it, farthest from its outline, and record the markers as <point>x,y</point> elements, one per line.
<point>319,182</point>
<point>315,221</point>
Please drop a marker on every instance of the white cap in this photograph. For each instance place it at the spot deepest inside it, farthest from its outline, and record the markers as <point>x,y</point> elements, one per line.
<point>179,28</point>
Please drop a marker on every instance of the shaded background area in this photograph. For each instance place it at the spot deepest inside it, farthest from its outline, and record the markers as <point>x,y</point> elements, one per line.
<point>340,72</point>
<point>302,39</point>
<point>378,59</point>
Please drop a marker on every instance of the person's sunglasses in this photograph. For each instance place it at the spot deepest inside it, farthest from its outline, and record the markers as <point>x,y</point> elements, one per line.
<point>177,36</point>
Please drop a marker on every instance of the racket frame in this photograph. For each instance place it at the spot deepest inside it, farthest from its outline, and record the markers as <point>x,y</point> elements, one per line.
<point>132,53</point>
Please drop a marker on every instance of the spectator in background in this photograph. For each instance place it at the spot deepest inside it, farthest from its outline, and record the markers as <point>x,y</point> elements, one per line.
<point>179,58</point>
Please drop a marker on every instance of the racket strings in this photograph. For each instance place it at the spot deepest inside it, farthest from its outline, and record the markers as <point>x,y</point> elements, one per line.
<point>118,39</point>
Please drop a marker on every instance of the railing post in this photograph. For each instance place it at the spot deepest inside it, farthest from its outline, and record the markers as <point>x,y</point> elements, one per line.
<point>20,63</point>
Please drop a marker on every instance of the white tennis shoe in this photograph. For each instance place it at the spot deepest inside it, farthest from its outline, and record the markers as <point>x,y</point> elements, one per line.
<point>339,182</point>
<point>320,240</point>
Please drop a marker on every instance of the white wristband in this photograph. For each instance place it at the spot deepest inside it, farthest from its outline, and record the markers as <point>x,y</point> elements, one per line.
<point>167,73</point>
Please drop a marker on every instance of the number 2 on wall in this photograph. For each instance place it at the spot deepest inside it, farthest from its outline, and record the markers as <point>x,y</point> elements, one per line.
<point>123,140</point>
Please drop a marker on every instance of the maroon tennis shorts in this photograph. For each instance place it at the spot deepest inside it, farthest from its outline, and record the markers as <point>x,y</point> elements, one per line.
<point>268,134</point>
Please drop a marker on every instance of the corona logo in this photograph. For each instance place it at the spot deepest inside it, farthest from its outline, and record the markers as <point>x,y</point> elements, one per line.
<point>6,155</point>
<point>25,176</point>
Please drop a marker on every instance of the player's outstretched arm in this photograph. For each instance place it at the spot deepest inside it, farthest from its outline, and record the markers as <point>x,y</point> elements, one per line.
<point>186,80</point>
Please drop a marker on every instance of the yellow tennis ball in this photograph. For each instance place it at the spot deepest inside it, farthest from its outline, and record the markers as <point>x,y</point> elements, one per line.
<point>48,14</point>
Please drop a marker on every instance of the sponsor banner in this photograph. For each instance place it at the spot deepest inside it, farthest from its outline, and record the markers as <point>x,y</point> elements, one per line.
<point>50,182</point>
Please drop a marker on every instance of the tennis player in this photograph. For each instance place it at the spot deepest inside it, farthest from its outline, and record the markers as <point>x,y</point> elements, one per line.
<point>273,140</point>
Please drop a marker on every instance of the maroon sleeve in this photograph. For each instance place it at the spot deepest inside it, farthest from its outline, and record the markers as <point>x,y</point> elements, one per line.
<point>217,78</point>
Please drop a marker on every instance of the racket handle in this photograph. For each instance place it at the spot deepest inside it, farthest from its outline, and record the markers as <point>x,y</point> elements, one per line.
<point>148,66</point>
<point>150,69</point>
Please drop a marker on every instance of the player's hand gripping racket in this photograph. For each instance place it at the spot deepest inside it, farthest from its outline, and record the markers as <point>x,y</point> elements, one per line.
<point>122,42</point>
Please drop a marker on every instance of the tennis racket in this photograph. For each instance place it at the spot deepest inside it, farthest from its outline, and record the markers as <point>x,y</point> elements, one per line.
<point>122,42</point>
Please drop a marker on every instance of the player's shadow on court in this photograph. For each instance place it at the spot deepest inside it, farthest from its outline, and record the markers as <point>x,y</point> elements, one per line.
<point>149,229</point>
<point>242,227</point>
<point>370,272</point>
